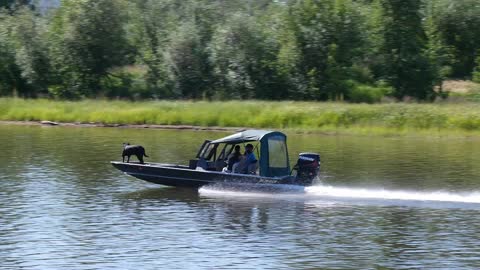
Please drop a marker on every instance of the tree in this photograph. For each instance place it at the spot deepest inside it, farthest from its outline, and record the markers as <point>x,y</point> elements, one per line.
<point>12,5</point>
<point>440,55</point>
<point>88,39</point>
<point>312,24</point>
<point>346,49</point>
<point>290,80</point>
<point>476,71</point>
<point>329,36</point>
<point>407,68</point>
<point>263,49</point>
<point>31,51</point>
<point>188,63</point>
<point>150,25</point>
<point>457,23</point>
<point>11,81</point>
<point>243,60</point>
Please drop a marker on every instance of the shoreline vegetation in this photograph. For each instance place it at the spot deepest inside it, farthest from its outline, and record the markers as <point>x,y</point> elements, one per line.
<point>439,119</point>
<point>356,51</point>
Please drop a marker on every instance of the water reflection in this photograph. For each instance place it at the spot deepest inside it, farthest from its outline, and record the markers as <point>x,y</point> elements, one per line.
<point>392,234</point>
<point>391,203</point>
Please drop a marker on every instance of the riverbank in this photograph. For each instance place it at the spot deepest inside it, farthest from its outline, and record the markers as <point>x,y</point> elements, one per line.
<point>395,118</point>
<point>102,125</point>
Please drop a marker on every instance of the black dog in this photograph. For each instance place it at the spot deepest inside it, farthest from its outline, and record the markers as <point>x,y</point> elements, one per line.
<point>133,150</point>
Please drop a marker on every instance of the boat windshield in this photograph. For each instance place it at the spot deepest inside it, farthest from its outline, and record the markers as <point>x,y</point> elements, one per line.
<point>277,157</point>
<point>208,151</point>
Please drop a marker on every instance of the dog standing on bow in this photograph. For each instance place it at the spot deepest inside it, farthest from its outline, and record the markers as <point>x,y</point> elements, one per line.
<point>133,150</point>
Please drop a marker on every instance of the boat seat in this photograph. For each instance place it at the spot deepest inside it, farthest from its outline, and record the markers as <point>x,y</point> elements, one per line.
<point>202,164</point>
<point>252,168</point>
<point>192,164</point>
<point>219,165</point>
<point>211,166</point>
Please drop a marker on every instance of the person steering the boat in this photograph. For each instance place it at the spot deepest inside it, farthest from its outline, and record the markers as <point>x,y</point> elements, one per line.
<point>250,160</point>
<point>249,155</point>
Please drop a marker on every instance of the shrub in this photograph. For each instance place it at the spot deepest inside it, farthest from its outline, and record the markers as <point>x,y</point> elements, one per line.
<point>361,93</point>
<point>476,70</point>
<point>126,82</point>
<point>62,92</point>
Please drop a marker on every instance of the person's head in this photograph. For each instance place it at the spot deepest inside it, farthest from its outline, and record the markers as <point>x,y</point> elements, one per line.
<point>249,148</point>
<point>237,148</point>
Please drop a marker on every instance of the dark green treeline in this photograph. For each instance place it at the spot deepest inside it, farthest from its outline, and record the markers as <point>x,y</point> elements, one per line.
<point>357,50</point>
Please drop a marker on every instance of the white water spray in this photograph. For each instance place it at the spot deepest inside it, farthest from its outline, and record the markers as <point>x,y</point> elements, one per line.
<point>382,194</point>
<point>341,193</point>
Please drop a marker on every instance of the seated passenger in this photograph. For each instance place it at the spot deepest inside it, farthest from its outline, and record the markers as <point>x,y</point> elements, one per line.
<point>250,160</point>
<point>247,163</point>
<point>241,166</point>
<point>233,158</point>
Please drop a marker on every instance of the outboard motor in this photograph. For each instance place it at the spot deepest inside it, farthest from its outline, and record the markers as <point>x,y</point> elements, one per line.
<point>307,167</point>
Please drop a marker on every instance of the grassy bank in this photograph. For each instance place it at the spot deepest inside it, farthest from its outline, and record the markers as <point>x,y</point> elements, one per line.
<point>308,116</point>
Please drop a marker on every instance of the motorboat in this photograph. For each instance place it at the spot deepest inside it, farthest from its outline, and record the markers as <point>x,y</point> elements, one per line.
<point>210,162</point>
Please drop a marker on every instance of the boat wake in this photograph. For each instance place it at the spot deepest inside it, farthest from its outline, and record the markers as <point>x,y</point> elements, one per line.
<point>251,190</point>
<point>320,194</point>
<point>382,194</point>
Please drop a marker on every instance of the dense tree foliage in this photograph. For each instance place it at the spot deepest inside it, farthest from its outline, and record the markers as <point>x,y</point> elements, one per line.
<point>406,66</point>
<point>476,72</point>
<point>356,50</point>
<point>12,5</point>
<point>87,40</point>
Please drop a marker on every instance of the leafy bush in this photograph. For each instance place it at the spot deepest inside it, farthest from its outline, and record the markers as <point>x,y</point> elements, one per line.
<point>476,71</point>
<point>126,82</point>
<point>476,76</point>
<point>360,93</point>
<point>62,92</point>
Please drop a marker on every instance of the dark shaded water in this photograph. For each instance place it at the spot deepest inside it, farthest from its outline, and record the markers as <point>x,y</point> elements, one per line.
<point>384,203</point>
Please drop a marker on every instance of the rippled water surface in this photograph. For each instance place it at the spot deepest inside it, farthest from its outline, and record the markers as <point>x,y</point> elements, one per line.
<point>383,203</point>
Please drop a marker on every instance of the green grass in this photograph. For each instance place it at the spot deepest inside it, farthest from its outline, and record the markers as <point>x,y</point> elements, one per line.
<point>398,118</point>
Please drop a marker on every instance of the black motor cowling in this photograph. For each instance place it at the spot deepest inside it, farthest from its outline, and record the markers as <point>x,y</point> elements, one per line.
<point>307,167</point>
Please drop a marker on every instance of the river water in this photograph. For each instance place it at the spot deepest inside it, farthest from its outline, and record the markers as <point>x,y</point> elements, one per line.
<point>382,203</point>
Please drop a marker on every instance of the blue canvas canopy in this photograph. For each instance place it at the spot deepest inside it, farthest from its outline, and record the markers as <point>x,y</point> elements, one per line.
<point>273,160</point>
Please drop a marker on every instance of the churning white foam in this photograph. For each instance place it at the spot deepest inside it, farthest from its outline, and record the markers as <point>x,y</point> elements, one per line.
<point>383,194</point>
<point>342,193</point>
<point>251,190</point>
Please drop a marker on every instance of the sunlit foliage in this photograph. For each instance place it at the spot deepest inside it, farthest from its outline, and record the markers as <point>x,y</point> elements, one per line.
<point>354,50</point>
